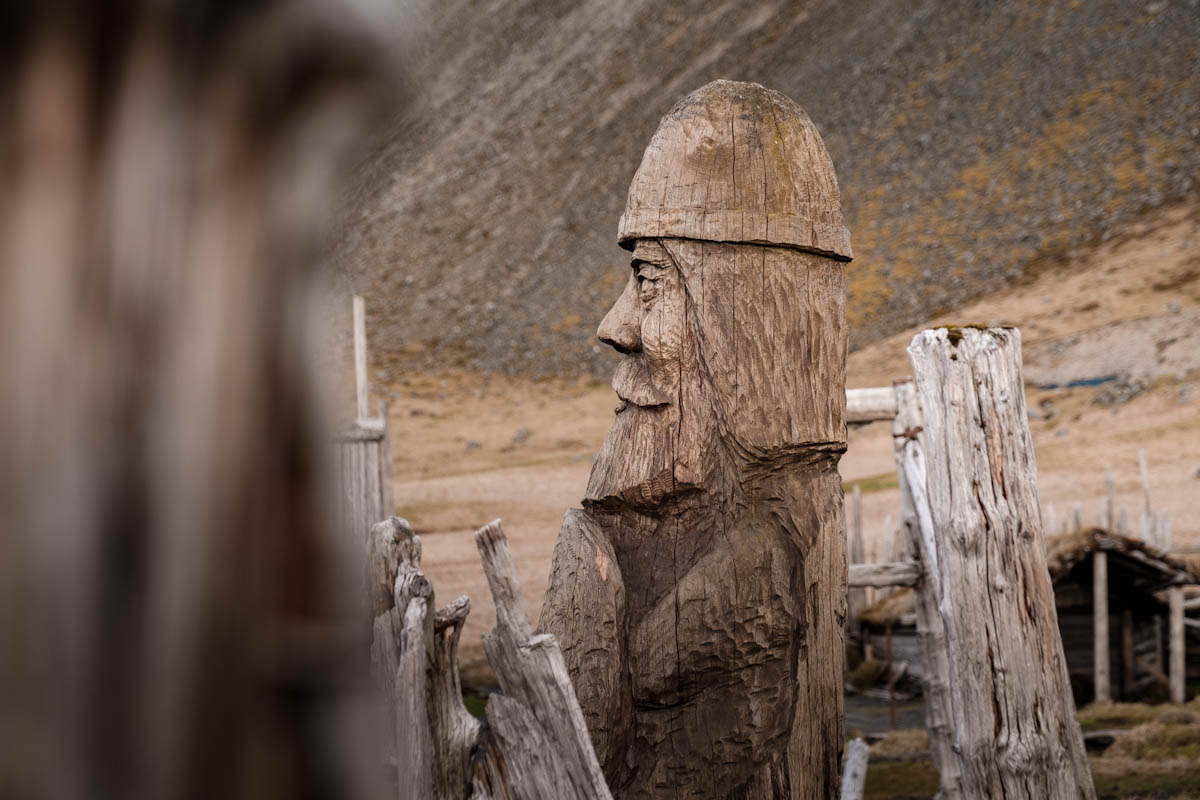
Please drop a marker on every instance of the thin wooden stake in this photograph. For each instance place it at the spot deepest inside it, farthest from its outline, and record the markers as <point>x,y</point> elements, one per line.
<point>1145,480</point>
<point>891,681</point>
<point>1100,626</point>
<point>1077,517</point>
<point>1176,671</point>
<point>1110,503</point>
<point>1127,661</point>
<point>360,357</point>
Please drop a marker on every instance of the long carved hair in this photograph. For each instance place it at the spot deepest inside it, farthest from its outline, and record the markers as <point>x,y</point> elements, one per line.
<point>757,314</point>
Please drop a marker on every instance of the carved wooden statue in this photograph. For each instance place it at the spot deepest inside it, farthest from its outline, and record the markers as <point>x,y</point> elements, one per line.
<point>700,593</point>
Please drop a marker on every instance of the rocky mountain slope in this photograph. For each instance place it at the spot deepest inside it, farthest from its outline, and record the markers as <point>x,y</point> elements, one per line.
<point>975,143</point>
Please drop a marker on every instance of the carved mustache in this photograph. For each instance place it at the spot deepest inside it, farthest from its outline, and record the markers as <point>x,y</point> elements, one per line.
<point>633,384</point>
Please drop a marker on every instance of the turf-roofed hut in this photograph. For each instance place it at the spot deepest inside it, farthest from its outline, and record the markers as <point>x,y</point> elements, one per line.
<point>1138,614</point>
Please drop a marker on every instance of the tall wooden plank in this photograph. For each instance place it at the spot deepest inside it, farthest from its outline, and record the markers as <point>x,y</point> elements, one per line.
<point>360,358</point>
<point>1110,499</point>
<point>856,597</point>
<point>1100,654</point>
<point>1016,731</point>
<point>1127,661</point>
<point>917,523</point>
<point>387,502</point>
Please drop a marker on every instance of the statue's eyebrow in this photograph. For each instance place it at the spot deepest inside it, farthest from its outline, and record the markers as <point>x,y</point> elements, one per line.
<point>662,262</point>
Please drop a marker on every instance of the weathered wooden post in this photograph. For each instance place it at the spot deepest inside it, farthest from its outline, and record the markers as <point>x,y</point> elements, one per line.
<point>1016,734</point>
<point>700,594</point>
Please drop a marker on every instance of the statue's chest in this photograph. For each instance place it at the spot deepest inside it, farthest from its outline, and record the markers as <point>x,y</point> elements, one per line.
<point>654,553</point>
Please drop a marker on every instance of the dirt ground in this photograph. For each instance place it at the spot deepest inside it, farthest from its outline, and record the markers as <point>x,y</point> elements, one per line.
<point>470,448</point>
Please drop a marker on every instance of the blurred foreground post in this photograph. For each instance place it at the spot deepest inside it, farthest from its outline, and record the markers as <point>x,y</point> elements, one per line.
<point>177,615</point>
<point>1016,731</point>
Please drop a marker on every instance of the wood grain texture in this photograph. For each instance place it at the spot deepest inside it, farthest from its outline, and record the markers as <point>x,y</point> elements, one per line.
<point>1016,731</point>
<point>700,594</point>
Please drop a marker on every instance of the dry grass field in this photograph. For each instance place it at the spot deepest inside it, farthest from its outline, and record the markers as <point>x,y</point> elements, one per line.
<point>468,449</point>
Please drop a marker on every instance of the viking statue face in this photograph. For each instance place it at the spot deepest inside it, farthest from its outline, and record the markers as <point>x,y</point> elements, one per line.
<point>646,325</point>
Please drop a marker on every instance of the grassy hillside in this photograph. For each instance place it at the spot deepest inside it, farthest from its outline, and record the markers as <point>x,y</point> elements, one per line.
<point>976,142</point>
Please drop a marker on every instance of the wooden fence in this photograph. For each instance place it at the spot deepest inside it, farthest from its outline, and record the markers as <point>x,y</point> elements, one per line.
<point>996,683</point>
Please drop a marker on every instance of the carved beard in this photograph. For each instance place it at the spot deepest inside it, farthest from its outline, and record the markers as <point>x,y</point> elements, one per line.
<point>661,444</point>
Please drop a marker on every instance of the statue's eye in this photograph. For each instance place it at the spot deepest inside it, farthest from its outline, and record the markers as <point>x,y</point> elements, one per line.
<point>647,273</point>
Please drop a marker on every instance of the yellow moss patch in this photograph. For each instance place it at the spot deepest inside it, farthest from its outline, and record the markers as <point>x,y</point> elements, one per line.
<point>1159,741</point>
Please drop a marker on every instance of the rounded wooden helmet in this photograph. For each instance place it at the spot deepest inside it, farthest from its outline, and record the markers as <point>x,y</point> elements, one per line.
<point>737,162</point>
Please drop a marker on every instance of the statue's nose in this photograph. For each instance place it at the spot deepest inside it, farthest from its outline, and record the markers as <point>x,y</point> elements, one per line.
<point>621,327</point>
